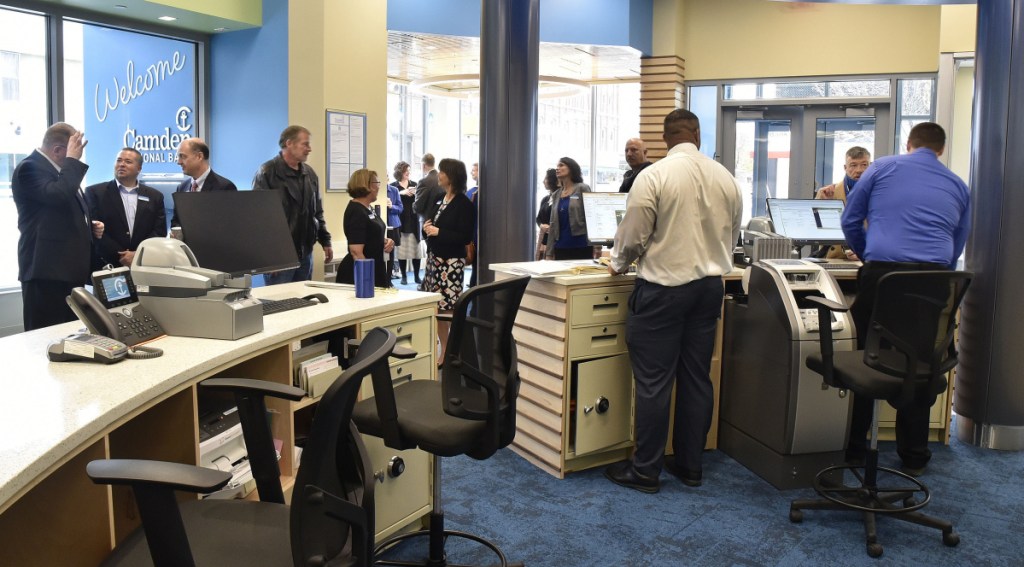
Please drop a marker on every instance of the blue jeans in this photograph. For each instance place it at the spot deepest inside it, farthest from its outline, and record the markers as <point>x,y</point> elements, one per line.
<point>301,274</point>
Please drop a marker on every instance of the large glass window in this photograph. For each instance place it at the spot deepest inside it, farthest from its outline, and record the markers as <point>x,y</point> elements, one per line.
<point>23,118</point>
<point>915,104</point>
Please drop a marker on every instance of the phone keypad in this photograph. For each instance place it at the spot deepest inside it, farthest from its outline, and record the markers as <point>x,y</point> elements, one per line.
<point>136,326</point>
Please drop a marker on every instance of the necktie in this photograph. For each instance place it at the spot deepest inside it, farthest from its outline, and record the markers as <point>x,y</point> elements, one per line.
<point>195,186</point>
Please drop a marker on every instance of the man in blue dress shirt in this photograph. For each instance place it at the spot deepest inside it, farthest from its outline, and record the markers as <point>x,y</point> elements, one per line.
<point>918,215</point>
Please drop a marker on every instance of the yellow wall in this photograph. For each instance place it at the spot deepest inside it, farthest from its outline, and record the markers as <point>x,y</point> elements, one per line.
<point>337,53</point>
<point>247,11</point>
<point>725,39</point>
<point>668,17</point>
<point>959,28</point>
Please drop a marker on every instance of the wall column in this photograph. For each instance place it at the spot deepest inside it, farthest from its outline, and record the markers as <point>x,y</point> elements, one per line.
<point>989,394</point>
<point>661,92</point>
<point>509,62</point>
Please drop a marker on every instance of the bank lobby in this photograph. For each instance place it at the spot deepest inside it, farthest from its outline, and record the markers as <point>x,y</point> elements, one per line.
<point>543,500</point>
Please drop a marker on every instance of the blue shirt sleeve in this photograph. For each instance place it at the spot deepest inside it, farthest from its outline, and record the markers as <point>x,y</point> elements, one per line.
<point>962,229</point>
<point>857,210</point>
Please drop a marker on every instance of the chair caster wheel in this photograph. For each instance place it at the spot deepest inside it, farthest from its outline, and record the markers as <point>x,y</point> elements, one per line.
<point>875,549</point>
<point>796,516</point>
<point>950,539</point>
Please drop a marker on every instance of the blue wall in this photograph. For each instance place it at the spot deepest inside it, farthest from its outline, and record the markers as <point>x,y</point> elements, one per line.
<point>589,22</point>
<point>249,94</point>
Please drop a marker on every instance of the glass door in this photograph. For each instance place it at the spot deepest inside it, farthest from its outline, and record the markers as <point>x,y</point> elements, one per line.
<point>758,147</point>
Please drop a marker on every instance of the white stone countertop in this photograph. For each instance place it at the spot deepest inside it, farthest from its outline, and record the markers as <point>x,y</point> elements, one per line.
<point>50,410</point>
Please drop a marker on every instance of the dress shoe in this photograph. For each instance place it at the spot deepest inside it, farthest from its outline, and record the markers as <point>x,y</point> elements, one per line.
<point>912,471</point>
<point>623,474</point>
<point>689,478</point>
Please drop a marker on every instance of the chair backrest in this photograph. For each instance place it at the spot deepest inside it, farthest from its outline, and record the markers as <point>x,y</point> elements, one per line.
<point>334,461</point>
<point>480,375</point>
<point>911,329</point>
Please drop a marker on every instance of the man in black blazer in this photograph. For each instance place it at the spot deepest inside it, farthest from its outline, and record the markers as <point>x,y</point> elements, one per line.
<point>194,159</point>
<point>132,212</point>
<point>428,191</point>
<point>55,246</point>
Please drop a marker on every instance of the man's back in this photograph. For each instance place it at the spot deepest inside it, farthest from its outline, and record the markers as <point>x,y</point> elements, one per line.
<point>688,209</point>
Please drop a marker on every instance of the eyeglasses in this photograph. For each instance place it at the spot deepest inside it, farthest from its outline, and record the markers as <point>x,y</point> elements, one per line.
<point>375,183</point>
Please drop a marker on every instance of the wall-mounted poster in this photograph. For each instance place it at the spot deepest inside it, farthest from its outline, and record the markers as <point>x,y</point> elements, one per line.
<point>346,147</point>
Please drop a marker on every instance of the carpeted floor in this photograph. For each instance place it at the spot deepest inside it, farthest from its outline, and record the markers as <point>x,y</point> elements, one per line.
<point>735,518</point>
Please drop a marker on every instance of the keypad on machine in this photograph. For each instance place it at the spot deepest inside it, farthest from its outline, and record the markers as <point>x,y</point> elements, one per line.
<point>142,327</point>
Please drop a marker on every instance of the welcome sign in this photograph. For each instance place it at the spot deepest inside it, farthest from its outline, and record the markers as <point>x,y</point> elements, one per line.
<point>140,92</point>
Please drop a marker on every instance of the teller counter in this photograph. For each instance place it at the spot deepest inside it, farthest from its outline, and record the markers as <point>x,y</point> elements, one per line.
<point>575,409</point>
<point>56,417</point>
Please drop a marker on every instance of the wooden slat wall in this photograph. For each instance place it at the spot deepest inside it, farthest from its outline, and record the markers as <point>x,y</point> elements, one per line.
<point>661,92</point>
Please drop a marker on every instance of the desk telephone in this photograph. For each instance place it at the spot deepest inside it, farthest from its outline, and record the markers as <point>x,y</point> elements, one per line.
<point>113,317</point>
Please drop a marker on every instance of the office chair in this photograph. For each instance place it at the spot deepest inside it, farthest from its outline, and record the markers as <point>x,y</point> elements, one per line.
<point>908,350</point>
<point>471,410</point>
<point>334,479</point>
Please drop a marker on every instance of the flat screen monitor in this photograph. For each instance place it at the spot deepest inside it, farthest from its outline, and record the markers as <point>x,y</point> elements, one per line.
<point>808,221</point>
<point>603,212</point>
<point>238,232</point>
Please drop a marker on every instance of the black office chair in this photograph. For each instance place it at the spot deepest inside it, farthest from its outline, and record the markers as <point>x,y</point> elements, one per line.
<point>471,410</point>
<point>334,479</point>
<point>909,348</point>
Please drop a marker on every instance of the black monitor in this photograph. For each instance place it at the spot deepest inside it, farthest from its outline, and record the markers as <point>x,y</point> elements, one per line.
<point>238,232</point>
<point>603,212</point>
<point>808,221</point>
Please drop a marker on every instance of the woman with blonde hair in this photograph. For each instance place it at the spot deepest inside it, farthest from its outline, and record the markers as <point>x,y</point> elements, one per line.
<point>365,230</point>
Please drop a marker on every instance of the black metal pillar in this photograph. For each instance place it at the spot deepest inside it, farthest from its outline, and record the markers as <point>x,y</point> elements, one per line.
<point>509,59</point>
<point>989,395</point>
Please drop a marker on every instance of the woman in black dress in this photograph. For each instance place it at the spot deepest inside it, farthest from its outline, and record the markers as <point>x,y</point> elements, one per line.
<point>365,230</point>
<point>409,244</point>
<point>544,213</point>
<point>448,228</point>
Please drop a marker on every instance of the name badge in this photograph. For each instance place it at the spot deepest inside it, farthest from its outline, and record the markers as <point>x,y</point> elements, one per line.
<point>574,197</point>
<point>371,216</point>
<point>143,198</point>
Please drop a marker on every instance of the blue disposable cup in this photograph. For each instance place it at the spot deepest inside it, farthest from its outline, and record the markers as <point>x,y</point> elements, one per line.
<point>364,278</point>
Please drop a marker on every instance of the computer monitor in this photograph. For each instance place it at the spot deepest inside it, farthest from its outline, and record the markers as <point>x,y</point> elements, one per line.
<point>238,232</point>
<point>808,221</point>
<point>603,212</point>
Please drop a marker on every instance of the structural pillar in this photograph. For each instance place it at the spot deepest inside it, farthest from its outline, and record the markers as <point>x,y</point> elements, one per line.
<point>509,62</point>
<point>661,92</point>
<point>989,394</point>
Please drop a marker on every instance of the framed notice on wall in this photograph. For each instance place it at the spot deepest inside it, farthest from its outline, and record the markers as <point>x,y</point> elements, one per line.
<point>346,147</point>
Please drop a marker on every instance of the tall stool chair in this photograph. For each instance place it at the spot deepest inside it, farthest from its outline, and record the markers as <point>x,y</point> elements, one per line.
<point>908,350</point>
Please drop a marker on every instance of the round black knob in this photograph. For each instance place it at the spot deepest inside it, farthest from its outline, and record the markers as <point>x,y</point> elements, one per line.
<point>602,404</point>
<point>396,466</point>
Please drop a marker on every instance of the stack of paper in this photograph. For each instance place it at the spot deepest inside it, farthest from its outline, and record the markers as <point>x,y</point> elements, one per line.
<point>314,369</point>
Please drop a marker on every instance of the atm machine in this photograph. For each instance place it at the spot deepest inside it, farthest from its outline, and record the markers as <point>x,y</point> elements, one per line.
<point>776,416</point>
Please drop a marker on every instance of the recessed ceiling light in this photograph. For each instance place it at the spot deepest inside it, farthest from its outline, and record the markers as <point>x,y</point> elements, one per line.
<point>120,6</point>
<point>167,18</point>
<point>220,29</point>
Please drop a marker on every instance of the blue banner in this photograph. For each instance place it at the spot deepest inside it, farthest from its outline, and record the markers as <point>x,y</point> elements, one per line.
<point>140,92</point>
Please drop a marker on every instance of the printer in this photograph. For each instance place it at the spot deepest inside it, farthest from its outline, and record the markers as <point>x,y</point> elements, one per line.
<point>190,301</point>
<point>222,447</point>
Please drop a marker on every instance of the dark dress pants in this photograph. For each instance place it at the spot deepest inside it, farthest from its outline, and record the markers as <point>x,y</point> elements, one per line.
<point>912,420</point>
<point>44,303</point>
<point>670,333</point>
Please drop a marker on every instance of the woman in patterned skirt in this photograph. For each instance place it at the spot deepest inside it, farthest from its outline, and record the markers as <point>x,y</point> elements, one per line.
<point>448,228</point>
<point>409,243</point>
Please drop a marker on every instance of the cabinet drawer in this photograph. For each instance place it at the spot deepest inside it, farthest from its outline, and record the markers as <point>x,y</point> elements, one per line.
<point>401,371</point>
<point>414,333</point>
<point>599,308</point>
<point>601,340</point>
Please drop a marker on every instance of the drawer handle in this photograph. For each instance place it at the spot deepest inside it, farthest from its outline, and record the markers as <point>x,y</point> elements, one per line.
<point>398,329</point>
<point>613,307</point>
<point>600,341</point>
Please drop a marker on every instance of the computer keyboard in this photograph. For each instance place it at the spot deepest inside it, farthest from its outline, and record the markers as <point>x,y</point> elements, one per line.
<point>287,304</point>
<point>840,266</point>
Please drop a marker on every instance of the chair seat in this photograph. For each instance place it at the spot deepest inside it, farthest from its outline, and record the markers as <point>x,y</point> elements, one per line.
<point>422,420</point>
<point>849,369</point>
<point>226,533</point>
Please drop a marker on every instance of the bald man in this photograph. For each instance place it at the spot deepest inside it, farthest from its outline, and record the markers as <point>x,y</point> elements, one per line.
<point>636,157</point>
<point>194,159</point>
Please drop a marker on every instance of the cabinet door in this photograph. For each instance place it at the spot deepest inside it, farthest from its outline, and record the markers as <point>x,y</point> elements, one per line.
<point>604,403</point>
<point>397,498</point>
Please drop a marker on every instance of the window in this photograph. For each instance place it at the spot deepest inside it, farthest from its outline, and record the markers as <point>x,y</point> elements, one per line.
<point>915,105</point>
<point>9,63</point>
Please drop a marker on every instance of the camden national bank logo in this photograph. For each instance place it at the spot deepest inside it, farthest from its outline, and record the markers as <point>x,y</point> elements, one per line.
<point>161,147</point>
<point>136,85</point>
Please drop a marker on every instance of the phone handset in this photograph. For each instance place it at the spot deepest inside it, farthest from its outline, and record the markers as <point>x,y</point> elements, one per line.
<point>101,324</point>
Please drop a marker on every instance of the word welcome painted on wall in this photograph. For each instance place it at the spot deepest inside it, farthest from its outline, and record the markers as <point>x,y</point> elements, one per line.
<point>137,84</point>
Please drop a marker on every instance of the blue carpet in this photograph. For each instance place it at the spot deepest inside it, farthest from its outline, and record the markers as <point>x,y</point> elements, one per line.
<point>735,518</point>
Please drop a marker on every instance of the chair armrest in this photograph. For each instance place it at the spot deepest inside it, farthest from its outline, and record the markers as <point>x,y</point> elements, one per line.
<point>398,352</point>
<point>174,476</point>
<point>828,304</point>
<point>272,389</point>
<point>444,317</point>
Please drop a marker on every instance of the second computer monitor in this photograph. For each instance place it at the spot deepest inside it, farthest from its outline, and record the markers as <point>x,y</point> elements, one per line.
<point>603,213</point>
<point>808,221</point>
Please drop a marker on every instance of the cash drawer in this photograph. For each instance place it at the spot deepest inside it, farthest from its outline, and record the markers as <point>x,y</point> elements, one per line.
<point>599,340</point>
<point>599,308</point>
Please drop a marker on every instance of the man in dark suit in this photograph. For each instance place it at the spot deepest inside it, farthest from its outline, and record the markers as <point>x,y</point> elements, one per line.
<point>54,249</point>
<point>194,159</point>
<point>132,212</point>
<point>428,191</point>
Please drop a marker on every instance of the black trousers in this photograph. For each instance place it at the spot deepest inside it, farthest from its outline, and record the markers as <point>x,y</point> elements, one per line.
<point>670,333</point>
<point>44,303</point>
<point>912,420</point>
